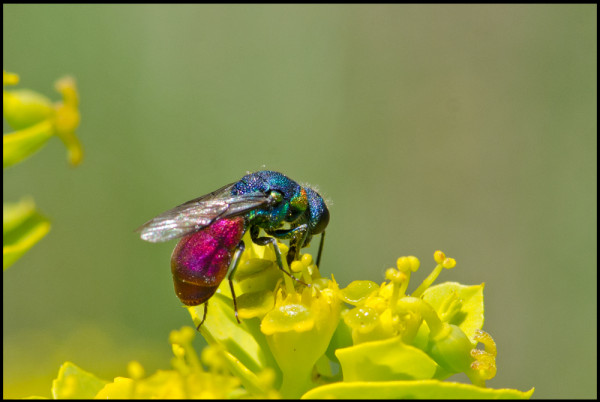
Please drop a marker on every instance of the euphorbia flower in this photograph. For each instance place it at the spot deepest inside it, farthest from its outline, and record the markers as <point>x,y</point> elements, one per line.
<point>36,119</point>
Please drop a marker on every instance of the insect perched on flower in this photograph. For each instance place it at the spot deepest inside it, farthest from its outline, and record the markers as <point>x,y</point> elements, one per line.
<point>211,229</point>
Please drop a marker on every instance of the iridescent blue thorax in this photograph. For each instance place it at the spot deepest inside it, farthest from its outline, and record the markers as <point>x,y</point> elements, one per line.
<point>290,200</point>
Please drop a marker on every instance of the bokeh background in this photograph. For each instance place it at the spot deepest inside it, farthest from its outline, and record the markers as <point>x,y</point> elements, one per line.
<point>470,129</point>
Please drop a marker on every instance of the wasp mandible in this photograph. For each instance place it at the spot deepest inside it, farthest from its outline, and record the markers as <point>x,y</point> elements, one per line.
<point>211,228</point>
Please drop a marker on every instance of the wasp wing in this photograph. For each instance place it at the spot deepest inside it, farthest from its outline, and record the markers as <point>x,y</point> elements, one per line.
<point>198,213</point>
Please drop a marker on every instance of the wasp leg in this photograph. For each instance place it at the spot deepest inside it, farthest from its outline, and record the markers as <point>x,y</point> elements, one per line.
<point>203,317</point>
<point>299,233</point>
<point>263,241</point>
<point>234,264</point>
<point>320,249</point>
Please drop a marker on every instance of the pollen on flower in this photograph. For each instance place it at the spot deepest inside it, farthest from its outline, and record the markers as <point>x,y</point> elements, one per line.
<point>487,341</point>
<point>406,264</point>
<point>394,275</point>
<point>439,256</point>
<point>484,364</point>
<point>449,263</point>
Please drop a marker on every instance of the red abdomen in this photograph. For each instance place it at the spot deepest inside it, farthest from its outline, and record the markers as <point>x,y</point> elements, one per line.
<point>201,260</point>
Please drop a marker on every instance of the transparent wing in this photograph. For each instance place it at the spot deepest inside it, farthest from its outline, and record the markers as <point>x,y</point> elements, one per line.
<point>200,212</point>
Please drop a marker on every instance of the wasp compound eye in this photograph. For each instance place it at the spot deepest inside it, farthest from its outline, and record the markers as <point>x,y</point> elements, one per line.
<point>276,196</point>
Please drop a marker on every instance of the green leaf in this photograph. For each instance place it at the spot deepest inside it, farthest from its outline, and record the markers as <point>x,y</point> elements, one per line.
<point>22,227</point>
<point>424,389</point>
<point>385,360</point>
<point>75,383</point>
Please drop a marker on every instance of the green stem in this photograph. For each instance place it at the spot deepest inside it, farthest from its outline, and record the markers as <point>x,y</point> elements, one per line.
<point>293,387</point>
<point>428,281</point>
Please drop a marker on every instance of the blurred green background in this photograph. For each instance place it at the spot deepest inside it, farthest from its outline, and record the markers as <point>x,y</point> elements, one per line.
<point>470,129</point>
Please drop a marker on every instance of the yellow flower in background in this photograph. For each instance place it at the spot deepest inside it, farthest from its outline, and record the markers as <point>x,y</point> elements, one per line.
<point>36,119</point>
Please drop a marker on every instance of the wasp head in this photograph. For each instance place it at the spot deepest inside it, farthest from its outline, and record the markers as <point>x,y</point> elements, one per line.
<point>285,198</point>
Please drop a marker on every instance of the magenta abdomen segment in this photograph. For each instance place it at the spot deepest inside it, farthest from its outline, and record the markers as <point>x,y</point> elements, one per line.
<point>201,260</point>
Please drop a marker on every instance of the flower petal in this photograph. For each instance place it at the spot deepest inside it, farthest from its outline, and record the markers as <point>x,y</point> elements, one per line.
<point>389,359</point>
<point>424,389</point>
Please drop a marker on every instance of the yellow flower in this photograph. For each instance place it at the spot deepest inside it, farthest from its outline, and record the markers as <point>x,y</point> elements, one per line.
<point>36,120</point>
